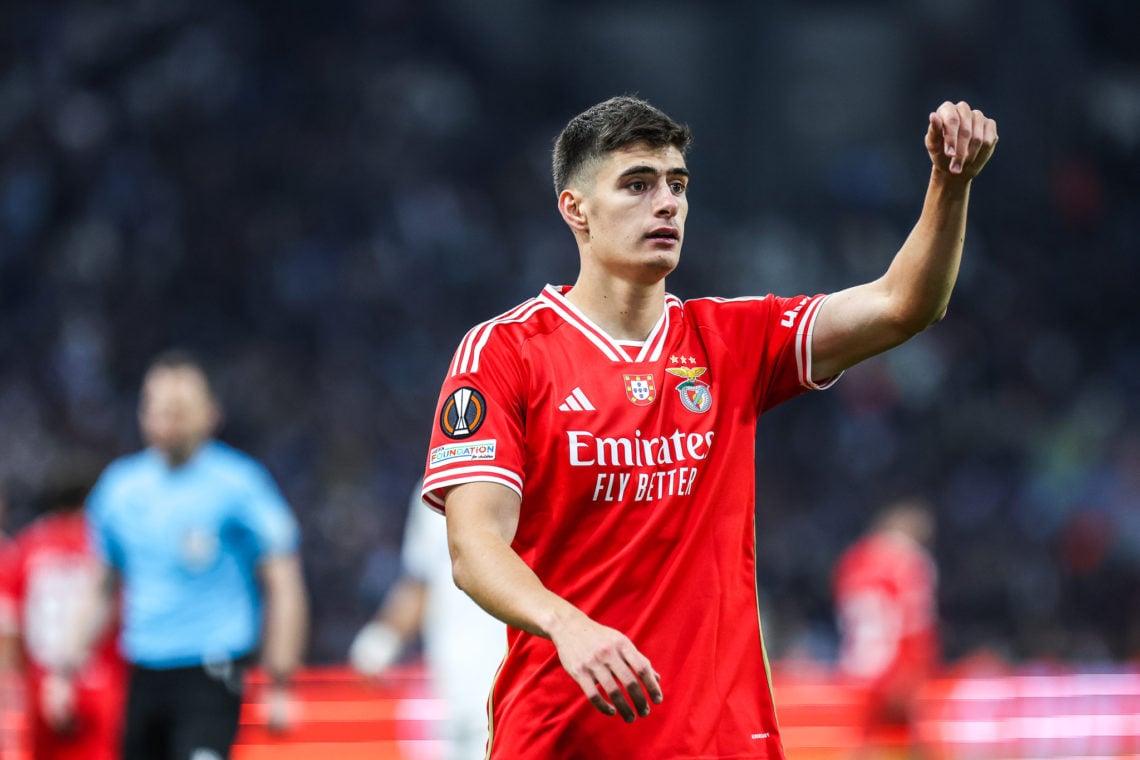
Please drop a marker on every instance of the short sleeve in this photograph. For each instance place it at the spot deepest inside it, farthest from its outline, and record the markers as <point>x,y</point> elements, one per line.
<point>787,351</point>
<point>266,515</point>
<point>478,431</point>
<point>772,338</point>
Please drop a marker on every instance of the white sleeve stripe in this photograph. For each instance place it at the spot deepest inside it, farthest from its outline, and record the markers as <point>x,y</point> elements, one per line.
<point>464,353</point>
<point>803,359</point>
<point>803,342</point>
<point>804,346</point>
<point>467,356</point>
<point>432,497</point>
<point>432,481</point>
<point>474,367</point>
<point>433,502</point>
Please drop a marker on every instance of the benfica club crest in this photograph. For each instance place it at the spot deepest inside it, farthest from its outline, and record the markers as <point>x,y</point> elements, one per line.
<point>695,395</point>
<point>639,389</point>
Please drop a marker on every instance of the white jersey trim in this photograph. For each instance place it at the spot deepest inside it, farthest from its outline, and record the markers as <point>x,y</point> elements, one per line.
<point>471,348</point>
<point>655,343</point>
<point>805,328</point>
<point>434,484</point>
<point>804,332</point>
<point>570,313</point>
<point>613,350</point>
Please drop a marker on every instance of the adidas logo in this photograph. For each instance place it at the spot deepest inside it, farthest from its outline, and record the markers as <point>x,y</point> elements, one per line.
<point>576,402</point>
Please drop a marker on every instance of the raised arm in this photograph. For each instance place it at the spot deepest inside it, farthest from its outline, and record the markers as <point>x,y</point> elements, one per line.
<point>859,322</point>
<point>481,522</point>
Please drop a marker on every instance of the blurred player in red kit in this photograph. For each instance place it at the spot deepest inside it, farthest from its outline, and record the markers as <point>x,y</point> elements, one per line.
<point>886,603</point>
<point>51,580</point>
<point>594,450</point>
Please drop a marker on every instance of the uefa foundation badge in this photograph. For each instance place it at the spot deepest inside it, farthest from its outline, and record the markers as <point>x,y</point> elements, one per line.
<point>695,394</point>
<point>639,389</point>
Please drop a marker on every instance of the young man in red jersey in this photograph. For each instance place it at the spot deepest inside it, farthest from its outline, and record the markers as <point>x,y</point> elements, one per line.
<point>73,713</point>
<point>594,450</point>
<point>886,603</point>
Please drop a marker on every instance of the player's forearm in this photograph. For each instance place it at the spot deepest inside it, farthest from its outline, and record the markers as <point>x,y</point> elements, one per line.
<point>922,275</point>
<point>491,573</point>
<point>286,618</point>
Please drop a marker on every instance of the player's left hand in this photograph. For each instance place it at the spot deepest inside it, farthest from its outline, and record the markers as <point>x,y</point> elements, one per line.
<point>616,677</point>
<point>960,139</point>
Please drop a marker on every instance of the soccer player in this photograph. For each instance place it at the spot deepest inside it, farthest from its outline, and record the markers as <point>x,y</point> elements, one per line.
<point>886,605</point>
<point>205,550</point>
<point>52,575</point>
<point>463,645</point>
<point>593,450</point>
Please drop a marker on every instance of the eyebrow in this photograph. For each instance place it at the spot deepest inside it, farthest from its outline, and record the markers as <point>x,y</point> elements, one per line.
<point>652,170</point>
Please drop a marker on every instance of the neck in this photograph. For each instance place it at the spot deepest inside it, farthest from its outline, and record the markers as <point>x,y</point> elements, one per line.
<point>625,310</point>
<point>179,455</point>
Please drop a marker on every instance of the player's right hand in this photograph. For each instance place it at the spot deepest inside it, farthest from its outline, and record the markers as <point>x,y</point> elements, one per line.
<point>613,674</point>
<point>960,139</point>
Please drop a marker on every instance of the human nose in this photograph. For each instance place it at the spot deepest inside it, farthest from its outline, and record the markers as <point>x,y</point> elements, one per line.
<point>664,201</point>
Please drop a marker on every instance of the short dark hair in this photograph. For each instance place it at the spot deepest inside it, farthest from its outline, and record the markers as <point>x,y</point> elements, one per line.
<point>611,125</point>
<point>181,358</point>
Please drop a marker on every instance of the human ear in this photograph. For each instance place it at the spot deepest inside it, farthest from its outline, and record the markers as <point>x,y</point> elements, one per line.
<point>570,206</point>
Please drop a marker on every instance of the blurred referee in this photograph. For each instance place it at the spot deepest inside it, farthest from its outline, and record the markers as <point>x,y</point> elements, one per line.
<point>199,539</point>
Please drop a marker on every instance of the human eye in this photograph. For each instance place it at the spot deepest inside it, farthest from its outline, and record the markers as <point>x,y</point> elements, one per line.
<point>677,186</point>
<point>637,186</point>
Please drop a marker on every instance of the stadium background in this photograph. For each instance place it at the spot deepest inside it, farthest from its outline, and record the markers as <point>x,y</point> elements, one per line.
<point>322,197</point>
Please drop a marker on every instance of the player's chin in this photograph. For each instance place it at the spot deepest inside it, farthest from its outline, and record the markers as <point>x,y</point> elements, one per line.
<point>663,248</point>
<point>660,264</point>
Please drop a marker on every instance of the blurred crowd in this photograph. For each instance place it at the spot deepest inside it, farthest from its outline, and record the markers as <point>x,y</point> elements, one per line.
<point>320,198</point>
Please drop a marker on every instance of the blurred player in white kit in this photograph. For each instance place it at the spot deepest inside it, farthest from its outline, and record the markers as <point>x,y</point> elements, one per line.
<point>463,645</point>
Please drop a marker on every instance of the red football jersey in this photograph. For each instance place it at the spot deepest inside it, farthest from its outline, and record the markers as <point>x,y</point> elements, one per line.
<point>636,468</point>
<point>885,593</point>
<point>52,574</point>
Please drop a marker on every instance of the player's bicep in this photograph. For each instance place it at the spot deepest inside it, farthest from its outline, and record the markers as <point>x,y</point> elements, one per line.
<point>479,513</point>
<point>853,325</point>
<point>482,519</point>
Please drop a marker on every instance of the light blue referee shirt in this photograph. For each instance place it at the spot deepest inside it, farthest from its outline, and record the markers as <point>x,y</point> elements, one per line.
<point>186,543</point>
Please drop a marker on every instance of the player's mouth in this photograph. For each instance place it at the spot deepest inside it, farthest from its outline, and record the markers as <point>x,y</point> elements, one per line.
<point>667,234</point>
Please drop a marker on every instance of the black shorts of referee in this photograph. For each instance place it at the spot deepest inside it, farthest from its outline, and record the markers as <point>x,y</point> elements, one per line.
<point>188,713</point>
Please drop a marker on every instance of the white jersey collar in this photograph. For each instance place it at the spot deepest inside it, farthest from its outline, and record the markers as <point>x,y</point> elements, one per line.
<point>555,297</point>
